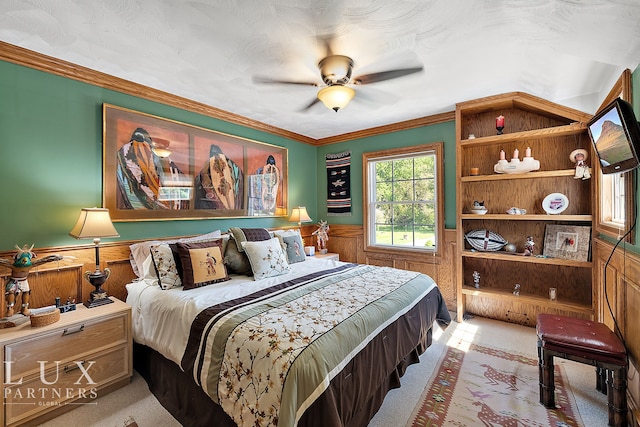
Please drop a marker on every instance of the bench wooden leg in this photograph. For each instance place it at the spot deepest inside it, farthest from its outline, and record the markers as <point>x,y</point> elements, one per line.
<point>601,379</point>
<point>617,397</point>
<point>546,379</point>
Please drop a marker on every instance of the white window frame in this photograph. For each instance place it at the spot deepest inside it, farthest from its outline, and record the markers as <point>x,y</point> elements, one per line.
<point>369,197</point>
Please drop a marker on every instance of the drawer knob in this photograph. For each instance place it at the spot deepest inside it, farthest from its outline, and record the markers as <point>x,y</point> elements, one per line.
<point>70,331</point>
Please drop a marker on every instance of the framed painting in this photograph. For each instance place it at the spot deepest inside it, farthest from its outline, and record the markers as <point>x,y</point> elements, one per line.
<point>160,169</point>
<point>571,242</point>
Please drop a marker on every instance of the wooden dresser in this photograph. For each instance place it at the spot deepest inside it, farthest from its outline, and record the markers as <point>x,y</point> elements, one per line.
<point>85,355</point>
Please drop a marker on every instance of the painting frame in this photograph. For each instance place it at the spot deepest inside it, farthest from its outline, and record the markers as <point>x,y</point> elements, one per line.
<point>570,242</point>
<point>156,168</point>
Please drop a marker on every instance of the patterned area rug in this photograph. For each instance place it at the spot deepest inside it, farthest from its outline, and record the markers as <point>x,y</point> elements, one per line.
<point>489,387</point>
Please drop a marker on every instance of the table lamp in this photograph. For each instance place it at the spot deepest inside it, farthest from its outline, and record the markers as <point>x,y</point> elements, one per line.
<point>299,214</point>
<point>95,223</point>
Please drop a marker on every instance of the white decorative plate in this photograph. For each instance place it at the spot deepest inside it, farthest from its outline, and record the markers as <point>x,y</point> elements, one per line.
<point>485,240</point>
<point>555,203</point>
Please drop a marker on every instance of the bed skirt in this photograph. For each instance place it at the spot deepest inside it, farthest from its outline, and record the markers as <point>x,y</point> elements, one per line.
<point>353,397</point>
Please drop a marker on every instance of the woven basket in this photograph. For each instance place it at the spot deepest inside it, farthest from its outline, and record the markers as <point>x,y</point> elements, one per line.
<point>45,319</point>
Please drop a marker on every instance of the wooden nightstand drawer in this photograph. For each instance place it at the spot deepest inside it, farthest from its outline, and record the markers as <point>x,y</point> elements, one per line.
<point>64,384</point>
<point>64,344</point>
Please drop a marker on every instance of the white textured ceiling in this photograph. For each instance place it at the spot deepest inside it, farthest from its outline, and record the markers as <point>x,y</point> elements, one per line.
<point>567,51</point>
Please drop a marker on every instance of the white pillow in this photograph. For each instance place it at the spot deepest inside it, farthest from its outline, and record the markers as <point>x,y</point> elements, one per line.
<point>267,258</point>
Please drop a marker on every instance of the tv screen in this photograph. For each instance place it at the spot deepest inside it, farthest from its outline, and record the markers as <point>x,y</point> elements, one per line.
<point>615,134</point>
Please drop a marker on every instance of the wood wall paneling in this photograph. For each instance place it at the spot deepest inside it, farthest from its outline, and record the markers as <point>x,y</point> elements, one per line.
<point>65,279</point>
<point>622,286</point>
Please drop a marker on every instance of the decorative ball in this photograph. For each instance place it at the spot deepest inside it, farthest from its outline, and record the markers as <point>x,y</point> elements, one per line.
<point>509,247</point>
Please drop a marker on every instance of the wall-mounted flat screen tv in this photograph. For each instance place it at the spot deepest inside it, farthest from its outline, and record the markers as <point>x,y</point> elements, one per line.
<point>615,134</point>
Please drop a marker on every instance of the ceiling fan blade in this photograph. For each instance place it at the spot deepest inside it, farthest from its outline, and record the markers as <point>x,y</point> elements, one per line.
<point>385,75</point>
<point>267,80</point>
<point>311,104</point>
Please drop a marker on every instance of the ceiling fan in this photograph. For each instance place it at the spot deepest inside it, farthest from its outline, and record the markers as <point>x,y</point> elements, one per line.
<point>335,71</point>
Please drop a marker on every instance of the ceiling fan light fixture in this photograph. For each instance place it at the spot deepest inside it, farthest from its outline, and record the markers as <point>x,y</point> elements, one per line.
<point>336,97</point>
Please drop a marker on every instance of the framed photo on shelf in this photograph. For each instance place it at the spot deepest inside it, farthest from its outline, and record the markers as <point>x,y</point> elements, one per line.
<point>571,242</point>
<point>161,169</point>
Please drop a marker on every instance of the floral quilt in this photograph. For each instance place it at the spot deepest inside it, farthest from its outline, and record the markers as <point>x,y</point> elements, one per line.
<point>266,357</point>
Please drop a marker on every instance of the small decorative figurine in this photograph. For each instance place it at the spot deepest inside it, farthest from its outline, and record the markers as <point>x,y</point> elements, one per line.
<point>529,246</point>
<point>579,157</point>
<point>22,263</point>
<point>516,289</point>
<point>322,234</point>
<point>476,280</point>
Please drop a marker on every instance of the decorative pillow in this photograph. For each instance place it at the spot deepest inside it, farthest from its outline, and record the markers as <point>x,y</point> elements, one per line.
<point>202,263</point>
<point>141,252</point>
<point>267,258</point>
<point>294,247</point>
<point>249,235</point>
<point>165,266</point>
<point>236,261</point>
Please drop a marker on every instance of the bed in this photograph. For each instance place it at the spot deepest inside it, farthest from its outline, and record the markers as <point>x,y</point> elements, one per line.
<point>319,343</point>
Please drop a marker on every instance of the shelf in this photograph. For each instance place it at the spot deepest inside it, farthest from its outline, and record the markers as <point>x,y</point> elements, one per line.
<point>528,217</point>
<point>503,256</point>
<point>527,136</point>
<point>526,175</point>
<point>530,299</point>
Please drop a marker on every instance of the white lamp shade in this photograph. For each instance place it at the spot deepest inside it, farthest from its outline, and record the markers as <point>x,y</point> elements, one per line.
<point>336,97</point>
<point>94,223</point>
<point>299,215</point>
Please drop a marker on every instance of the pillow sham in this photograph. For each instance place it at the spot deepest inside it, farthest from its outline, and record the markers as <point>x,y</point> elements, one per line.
<point>165,266</point>
<point>236,261</point>
<point>294,248</point>
<point>202,263</point>
<point>249,235</point>
<point>141,251</point>
<point>267,258</point>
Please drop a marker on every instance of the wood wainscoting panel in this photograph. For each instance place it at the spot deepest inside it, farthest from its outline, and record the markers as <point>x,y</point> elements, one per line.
<point>623,290</point>
<point>121,274</point>
<point>66,278</point>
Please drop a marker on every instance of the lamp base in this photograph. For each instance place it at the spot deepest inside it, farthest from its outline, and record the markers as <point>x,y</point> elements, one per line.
<point>98,302</point>
<point>99,296</point>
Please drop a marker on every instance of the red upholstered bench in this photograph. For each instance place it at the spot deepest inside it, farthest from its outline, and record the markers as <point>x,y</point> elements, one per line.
<point>587,342</point>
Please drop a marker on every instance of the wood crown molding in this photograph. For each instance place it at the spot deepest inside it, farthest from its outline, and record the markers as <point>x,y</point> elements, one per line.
<point>59,67</point>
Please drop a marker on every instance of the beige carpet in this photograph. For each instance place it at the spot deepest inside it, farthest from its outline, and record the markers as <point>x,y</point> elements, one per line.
<point>135,402</point>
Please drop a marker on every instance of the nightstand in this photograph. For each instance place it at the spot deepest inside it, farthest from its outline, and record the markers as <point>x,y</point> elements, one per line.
<point>328,255</point>
<point>83,356</point>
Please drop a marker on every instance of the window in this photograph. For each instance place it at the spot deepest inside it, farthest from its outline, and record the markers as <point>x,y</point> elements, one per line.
<point>403,198</point>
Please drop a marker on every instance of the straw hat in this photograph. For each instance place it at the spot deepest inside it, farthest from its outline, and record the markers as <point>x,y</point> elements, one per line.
<point>574,153</point>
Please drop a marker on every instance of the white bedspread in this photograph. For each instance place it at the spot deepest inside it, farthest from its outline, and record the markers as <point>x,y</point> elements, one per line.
<point>162,318</point>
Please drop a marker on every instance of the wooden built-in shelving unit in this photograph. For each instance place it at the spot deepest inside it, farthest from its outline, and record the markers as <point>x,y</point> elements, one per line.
<point>552,132</point>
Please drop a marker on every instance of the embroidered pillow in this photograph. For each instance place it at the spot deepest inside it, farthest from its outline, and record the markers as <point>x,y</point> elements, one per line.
<point>294,247</point>
<point>202,263</point>
<point>267,258</point>
<point>165,266</point>
<point>236,261</point>
<point>249,235</point>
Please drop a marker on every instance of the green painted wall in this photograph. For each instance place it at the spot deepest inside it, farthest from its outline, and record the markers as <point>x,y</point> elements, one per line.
<point>51,160</point>
<point>423,135</point>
